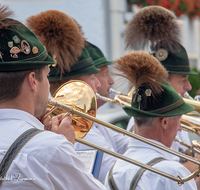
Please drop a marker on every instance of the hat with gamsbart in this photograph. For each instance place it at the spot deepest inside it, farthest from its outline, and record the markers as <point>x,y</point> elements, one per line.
<point>97,55</point>
<point>84,66</point>
<point>152,96</point>
<point>158,27</point>
<point>175,61</point>
<point>20,49</point>
<point>62,37</point>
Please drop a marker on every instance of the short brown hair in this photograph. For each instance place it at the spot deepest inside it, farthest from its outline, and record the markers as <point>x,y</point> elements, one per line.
<point>11,82</point>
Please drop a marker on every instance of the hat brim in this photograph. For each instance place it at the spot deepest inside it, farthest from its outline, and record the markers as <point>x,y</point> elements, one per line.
<point>184,72</point>
<point>20,65</point>
<point>183,109</point>
<point>104,64</point>
<point>76,73</point>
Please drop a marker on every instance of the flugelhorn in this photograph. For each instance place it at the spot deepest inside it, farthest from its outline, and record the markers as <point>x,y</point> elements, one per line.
<point>58,101</point>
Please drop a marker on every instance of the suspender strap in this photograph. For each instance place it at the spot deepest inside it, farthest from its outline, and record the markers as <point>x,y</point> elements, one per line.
<point>141,171</point>
<point>15,148</point>
<point>111,181</point>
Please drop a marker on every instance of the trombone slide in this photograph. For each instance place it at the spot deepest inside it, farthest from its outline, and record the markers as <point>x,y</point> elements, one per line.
<point>179,180</point>
<point>140,138</point>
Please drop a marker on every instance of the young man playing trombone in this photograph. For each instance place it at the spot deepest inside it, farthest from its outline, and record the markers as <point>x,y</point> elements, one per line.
<point>38,159</point>
<point>157,109</point>
<point>74,62</point>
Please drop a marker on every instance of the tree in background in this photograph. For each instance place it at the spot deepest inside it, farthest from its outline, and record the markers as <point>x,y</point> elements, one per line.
<point>195,82</point>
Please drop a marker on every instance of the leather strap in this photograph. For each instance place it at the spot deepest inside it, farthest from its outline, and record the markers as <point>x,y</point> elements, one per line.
<point>14,149</point>
<point>141,171</point>
<point>111,181</point>
<point>134,182</point>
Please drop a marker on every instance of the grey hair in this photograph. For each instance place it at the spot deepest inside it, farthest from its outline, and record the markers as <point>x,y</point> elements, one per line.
<point>144,121</point>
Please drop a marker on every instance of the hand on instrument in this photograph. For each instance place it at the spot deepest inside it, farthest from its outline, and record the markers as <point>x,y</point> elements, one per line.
<point>63,127</point>
<point>45,120</point>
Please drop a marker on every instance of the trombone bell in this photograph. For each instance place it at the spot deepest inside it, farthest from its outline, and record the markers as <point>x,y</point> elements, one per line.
<point>79,96</point>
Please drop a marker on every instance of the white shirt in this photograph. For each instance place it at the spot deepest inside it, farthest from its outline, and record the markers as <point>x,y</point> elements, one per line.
<point>182,135</point>
<point>48,160</point>
<point>108,139</point>
<point>124,172</point>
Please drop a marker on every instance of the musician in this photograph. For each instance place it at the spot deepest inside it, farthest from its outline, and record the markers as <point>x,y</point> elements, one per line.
<point>47,160</point>
<point>163,33</point>
<point>157,109</point>
<point>49,22</point>
<point>103,76</point>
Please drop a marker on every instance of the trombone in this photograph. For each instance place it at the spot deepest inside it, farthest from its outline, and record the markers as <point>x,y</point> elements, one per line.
<point>88,111</point>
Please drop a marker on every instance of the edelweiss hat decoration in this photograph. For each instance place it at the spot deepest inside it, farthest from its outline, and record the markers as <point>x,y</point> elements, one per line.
<point>153,96</point>
<point>20,49</point>
<point>97,55</point>
<point>158,27</point>
<point>64,41</point>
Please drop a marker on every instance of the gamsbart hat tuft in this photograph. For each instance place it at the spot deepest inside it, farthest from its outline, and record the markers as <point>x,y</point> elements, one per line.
<point>62,37</point>
<point>158,27</point>
<point>20,49</point>
<point>153,96</point>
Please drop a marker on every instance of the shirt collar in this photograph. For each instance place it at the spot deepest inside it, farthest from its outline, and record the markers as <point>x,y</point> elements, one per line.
<point>21,115</point>
<point>134,143</point>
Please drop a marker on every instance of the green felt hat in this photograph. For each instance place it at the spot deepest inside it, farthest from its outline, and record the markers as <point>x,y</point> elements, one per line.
<point>158,27</point>
<point>20,49</point>
<point>97,55</point>
<point>84,66</point>
<point>168,104</point>
<point>175,61</point>
<point>153,96</point>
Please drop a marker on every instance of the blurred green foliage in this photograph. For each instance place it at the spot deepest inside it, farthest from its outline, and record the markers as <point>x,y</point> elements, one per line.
<point>195,82</point>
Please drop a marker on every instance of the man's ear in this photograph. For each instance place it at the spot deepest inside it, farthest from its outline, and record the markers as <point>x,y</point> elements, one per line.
<point>164,122</point>
<point>32,82</point>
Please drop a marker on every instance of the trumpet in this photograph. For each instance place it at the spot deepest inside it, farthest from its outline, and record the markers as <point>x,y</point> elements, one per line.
<point>59,100</point>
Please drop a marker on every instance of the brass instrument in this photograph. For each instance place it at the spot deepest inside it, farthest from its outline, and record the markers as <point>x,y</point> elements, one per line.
<point>125,97</point>
<point>195,145</point>
<point>121,100</point>
<point>189,126</point>
<point>194,103</point>
<point>79,96</point>
<point>188,121</point>
<point>60,98</point>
